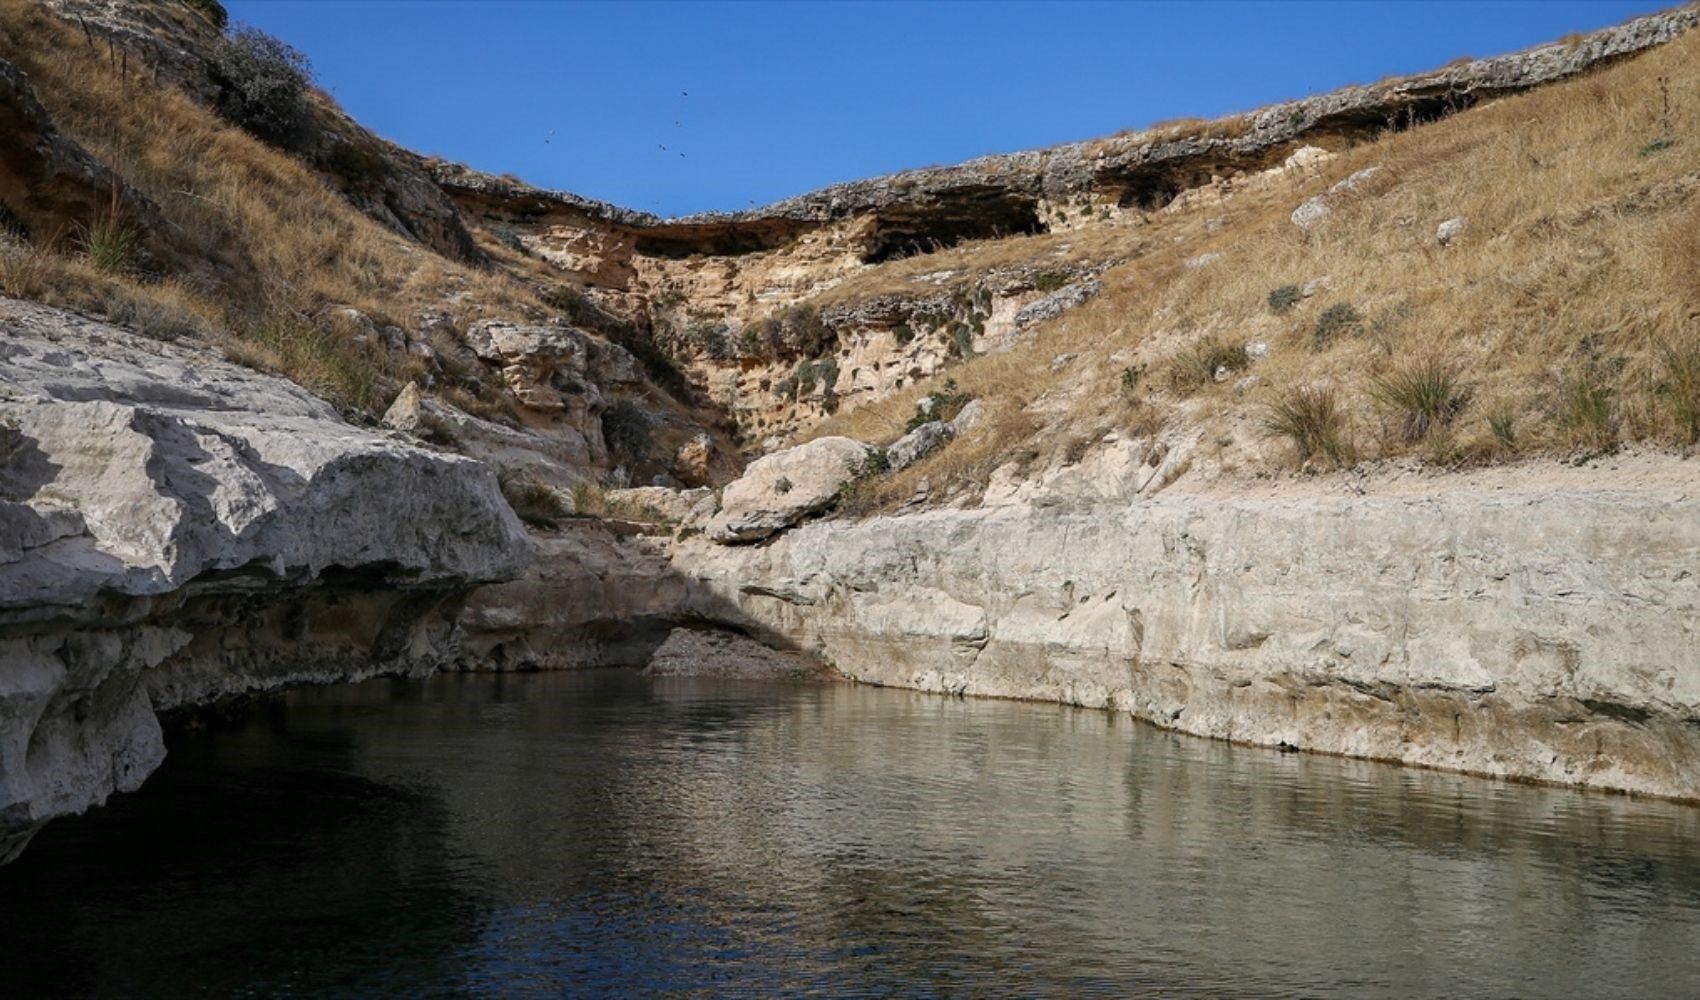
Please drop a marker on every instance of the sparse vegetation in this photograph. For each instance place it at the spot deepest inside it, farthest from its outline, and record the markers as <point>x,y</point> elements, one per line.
<point>941,404</point>
<point>1312,421</point>
<point>536,503</point>
<point>1337,319</point>
<point>1680,387</point>
<point>1586,412</point>
<point>109,242</point>
<point>626,429</point>
<point>1422,396</point>
<point>1283,298</point>
<point>1198,365</point>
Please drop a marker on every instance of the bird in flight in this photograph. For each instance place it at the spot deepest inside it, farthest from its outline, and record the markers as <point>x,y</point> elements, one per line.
<point>684,93</point>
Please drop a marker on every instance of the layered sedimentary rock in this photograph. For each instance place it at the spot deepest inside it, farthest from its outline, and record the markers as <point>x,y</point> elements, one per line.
<point>174,529</point>
<point>1545,635</point>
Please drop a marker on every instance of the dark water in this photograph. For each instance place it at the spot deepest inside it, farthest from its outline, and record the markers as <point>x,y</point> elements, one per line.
<point>601,834</point>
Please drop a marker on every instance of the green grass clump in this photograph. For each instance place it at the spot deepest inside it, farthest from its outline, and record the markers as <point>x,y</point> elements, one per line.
<point>1314,422</point>
<point>536,503</point>
<point>1424,395</point>
<point>1197,366</point>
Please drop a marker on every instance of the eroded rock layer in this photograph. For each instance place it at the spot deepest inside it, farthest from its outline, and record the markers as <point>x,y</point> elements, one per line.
<point>174,529</point>
<point>1545,636</point>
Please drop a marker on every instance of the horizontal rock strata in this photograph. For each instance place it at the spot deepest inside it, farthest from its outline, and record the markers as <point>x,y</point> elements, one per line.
<point>1542,636</point>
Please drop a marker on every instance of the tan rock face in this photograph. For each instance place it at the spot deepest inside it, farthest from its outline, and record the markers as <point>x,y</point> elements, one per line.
<point>1542,635</point>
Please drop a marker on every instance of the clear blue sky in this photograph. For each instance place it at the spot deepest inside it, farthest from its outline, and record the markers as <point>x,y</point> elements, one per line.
<point>767,100</point>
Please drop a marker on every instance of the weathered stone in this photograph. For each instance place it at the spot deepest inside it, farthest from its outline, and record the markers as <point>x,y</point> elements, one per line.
<point>561,460</point>
<point>918,444</point>
<point>690,652</point>
<point>659,501</point>
<point>1531,634</point>
<point>1449,230</point>
<point>780,489</point>
<point>174,528</point>
<point>1057,303</point>
<point>969,417</point>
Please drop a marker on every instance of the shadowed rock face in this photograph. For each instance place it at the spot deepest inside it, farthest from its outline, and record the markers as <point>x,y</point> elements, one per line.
<point>174,529</point>
<point>45,178</point>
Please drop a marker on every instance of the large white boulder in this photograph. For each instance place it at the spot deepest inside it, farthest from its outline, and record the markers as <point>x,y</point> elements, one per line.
<point>780,489</point>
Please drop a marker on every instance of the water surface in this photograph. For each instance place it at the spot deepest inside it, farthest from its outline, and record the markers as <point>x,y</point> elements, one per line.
<point>603,834</point>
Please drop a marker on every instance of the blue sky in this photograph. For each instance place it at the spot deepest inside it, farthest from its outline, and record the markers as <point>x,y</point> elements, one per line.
<point>766,100</point>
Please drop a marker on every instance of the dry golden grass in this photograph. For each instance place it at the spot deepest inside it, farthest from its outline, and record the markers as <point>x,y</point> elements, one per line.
<point>264,243</point>
<point>1569,308</point>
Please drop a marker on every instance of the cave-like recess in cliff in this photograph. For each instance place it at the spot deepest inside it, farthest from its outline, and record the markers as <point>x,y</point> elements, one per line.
<point>970,213</point>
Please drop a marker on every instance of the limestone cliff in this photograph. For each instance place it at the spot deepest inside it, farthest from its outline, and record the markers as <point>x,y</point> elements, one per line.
<point>174,529</point>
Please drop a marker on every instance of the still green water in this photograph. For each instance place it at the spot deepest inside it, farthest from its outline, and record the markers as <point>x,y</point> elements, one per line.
<point>603,834</point>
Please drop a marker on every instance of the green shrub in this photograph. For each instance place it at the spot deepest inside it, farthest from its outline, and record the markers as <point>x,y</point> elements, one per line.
<point>961,343</point>
<point>1314,422</point>
<point>264,83</point>
<point>1658,145</point>
<point>625,428</point>
<point>1196,366</point>
<point>1424,395</point>
<point>1130,379</point>
<point>941,404</point>
<point>1335,320</point>
<point>534,502</point>
<point>903,333</point>
<point>1284,298</point>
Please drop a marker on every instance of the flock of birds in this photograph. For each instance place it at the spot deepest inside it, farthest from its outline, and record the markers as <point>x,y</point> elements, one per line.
<point>660,145</point>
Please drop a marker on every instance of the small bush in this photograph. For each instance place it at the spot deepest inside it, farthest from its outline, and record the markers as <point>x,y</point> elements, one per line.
<point>1585,412</point>
<point>1314,422</point>
<point>625,428</point>
<point>961,342</point>
<point>536,504</point>
<point>1197,366</point>
<point>265,83</point>
<point>1424,395</point>
<point>1335,320</point>
<point>903,332</point>
<point>1657,146</point>
<point>1284,298</point>
<point>1130,379</point>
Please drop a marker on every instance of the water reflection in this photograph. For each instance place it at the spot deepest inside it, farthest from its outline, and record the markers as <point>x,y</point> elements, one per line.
<point>585,834</point>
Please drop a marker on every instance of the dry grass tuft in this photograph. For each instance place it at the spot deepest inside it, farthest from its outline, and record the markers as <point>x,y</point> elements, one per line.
<point>1312,421</point>
<point>1423,396</point>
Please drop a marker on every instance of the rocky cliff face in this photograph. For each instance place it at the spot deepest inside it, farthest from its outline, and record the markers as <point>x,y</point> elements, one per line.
<point>1543,634</point>
<point>174,529</point>
<point>710,287</point>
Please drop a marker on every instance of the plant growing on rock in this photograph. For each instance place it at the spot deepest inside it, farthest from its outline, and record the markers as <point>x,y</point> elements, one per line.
<point>625,427</point>
<point>1337,319</point>
<point>536,503</point>
<point>940,404</point>
<point>1314,422</point>
<point>1423,395</point>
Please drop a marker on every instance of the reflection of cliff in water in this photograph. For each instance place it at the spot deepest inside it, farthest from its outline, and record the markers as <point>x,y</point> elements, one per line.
<point>253,860</point>
<point>569,833</point>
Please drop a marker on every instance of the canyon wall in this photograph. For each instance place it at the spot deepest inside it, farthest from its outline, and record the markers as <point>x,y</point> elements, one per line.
<point>1545,635</point>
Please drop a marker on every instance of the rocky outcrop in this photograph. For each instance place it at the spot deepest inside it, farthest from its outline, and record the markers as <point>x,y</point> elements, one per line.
<point>780,489</point>
<point>174,529</point>
<point>592,598</point>
<point>693,652</point>
<point>1538,634</point>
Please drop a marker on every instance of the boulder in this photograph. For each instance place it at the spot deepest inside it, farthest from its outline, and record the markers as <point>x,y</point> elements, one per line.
<point>918,444</point>
<point>690,652</point>
<point>561,460</point>
<point>968,417</point>
<point>780,489</point>
<point>659,501</point>
<point>1449,230</point>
